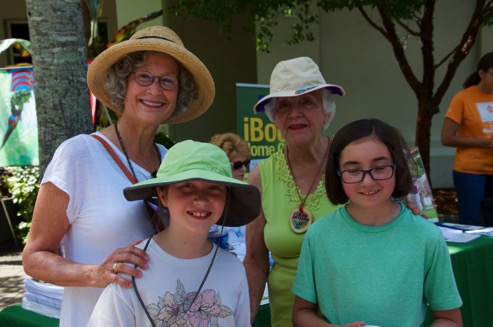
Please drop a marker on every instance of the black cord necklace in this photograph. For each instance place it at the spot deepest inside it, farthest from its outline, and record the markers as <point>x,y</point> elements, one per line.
<point>122,145</point>
<point>134,283</point>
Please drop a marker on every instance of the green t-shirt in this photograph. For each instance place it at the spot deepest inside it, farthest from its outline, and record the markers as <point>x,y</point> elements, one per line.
<point>383,275</point>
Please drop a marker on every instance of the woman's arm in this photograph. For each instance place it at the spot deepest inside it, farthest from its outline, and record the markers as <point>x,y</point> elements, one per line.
<point>447,318</point>
<point>256,260</point>
<point>305,314</point>
<point>450,137</point>
<point>40,257</point>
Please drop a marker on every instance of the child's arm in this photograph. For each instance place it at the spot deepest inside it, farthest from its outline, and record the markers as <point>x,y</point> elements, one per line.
<point>447,318</point>
<point>305,314</point>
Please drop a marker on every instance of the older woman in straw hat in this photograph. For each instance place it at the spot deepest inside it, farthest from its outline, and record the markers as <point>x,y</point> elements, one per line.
<point>149,79</point>
<point>291,182</point>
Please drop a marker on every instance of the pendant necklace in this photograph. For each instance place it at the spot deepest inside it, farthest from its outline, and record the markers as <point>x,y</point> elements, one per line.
<point>122,145</point>
<point>301,218</point>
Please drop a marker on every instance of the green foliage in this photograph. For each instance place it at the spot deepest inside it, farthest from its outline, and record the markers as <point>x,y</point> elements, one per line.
<point>303,14</point>
<point>398,9</point>
<point>264,14</point>
<point>20,97</point>
<point>164,139</point>
<point>23,185</point>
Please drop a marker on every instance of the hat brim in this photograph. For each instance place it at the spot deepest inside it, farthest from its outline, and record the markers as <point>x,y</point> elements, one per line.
<point>244,199</point>
<point>260,105</point>
<point>96,75</point>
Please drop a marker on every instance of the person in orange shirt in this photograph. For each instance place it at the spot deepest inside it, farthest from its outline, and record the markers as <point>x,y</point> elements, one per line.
<point>468,126</point>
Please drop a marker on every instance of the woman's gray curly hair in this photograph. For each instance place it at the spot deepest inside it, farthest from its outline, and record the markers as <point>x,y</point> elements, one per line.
<point>116,81</point>
<point>329,107</point>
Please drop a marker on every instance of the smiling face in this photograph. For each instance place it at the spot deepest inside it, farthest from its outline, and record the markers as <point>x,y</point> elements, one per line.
<point>194,206</point>
<point>367,153</point>
<point>300,119</point>
<point>152,103</point>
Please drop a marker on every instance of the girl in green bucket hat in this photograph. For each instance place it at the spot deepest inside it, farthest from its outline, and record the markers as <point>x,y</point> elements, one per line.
<point>189,280</point>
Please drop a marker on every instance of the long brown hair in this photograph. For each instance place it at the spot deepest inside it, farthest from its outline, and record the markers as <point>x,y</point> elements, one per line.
<point>484,64</point>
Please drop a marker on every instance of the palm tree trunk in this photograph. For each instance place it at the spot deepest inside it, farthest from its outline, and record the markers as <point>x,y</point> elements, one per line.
<point>59,61</point>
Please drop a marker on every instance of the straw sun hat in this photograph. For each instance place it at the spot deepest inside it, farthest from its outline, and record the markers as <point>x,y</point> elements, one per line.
<point>295,77</point>
<point>160,39</point>
<point>189,160</point>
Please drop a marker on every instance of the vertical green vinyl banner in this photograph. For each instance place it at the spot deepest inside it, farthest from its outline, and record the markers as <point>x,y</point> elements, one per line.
<point>259,132</point>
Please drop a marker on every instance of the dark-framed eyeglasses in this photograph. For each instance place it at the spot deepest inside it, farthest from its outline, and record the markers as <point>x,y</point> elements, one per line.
<point>379,173</point>
<point>167,82</point>
<point>238,164</point>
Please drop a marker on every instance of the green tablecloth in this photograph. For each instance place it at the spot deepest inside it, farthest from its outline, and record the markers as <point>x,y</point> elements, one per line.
<point>262,319</point>
<point>473,269</point>
<point>15,316</point>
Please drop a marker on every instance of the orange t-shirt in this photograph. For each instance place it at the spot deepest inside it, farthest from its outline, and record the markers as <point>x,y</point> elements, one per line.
<point>473,111</point>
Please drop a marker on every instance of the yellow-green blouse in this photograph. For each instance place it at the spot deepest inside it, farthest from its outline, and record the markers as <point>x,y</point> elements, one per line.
<point>279,198</point>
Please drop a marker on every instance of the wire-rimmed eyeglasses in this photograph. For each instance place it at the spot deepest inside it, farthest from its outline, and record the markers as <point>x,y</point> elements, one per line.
<point>167,82</point>
<point>238,164</point>
<point>379,173</point>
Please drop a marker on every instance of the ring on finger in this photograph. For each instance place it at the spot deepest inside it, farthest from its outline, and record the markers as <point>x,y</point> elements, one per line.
<point>115,270</point>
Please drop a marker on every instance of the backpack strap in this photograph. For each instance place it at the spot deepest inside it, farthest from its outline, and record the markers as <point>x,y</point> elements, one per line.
<point>156,221</point>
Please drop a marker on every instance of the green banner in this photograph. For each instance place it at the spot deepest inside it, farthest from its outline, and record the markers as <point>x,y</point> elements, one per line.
<point>257,130</point>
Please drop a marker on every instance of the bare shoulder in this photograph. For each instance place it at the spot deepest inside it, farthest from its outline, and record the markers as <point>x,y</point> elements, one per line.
<point>254,178</point>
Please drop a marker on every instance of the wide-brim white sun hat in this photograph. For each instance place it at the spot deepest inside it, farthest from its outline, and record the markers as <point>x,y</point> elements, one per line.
<point>159,39</point>
<point>190,160</point>
<point>294,77</point>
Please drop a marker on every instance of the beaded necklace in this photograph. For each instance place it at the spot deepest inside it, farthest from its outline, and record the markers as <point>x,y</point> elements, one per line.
<point>122,145</point>
<point>301,218</point>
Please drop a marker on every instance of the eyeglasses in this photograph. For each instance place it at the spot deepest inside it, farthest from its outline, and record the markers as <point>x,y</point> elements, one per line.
<point>238,164</point>
<point>379,173</point>
<point>167,82</point>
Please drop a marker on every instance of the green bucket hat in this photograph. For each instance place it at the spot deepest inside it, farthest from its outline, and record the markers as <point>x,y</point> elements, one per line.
<point>190,160</point>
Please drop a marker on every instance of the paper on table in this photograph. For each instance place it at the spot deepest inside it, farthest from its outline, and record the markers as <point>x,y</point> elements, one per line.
<point>450,232</point>
<point>462,238</point>
<point>488,231</point>
<point>460,226</point>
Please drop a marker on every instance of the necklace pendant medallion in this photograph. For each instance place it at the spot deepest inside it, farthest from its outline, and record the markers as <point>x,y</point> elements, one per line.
<point>300,220</point>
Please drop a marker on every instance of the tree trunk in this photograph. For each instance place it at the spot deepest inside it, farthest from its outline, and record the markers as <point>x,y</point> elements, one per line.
<point>60,66</point>
<point>423,128</point>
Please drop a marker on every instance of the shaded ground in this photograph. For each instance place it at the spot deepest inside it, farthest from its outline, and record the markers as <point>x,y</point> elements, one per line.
<point>446,201</point>
<point>11,277</point>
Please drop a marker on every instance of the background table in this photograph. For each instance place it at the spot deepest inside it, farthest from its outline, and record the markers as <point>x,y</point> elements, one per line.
<point>15,316</point>
<point>473,269</point>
